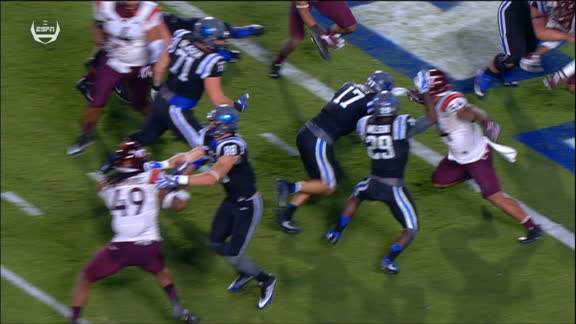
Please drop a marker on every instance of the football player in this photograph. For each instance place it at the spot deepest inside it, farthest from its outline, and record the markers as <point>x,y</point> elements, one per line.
<point>300,15</point>
<point>134,202</point>
<point>385,135</point>
<point>469,150</point>
<point>173,23</point>
<point>315,142</point>
<point>193,66</point>
<point>552,81</point>
<point>241,210</point>
<point>131,34</point>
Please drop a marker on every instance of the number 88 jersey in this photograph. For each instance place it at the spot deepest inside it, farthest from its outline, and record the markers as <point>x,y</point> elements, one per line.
<point>386,143</point>
<point>134,206</point>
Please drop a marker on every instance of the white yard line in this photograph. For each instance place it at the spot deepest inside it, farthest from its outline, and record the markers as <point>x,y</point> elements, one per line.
<point>324,92</point>
<point>36,293</point>
<point>280,143</point>
<point>25,206</point>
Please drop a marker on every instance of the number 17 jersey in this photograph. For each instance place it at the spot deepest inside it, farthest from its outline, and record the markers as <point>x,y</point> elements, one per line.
<point>347,106</point>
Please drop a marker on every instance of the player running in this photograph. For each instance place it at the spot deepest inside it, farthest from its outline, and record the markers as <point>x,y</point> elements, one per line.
<point>134,202</point>
<point>300,15</point>
<point>241,210</point>
<point>470,152</point>
<point>386,135</point>
<point>315,142</point>
<point>131,34</point>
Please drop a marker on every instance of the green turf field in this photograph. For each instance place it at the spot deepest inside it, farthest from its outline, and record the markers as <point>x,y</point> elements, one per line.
<point>463,267</point>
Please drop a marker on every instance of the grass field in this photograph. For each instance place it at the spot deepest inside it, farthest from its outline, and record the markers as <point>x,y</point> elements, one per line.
<point>463,267</point>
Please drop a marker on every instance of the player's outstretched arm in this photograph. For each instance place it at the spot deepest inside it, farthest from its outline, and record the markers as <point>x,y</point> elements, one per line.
<point>209,178</point>
<point>543,33</point>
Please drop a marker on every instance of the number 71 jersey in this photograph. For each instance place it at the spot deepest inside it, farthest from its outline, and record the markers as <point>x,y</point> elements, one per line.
<point>347,106</point>
<point>134,206</point>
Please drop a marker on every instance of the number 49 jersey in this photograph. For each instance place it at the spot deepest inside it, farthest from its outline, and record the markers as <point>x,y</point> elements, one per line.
<point>189,66</point>
<point>347,106</point>
<point>134,206</point>
<point>386,143</point>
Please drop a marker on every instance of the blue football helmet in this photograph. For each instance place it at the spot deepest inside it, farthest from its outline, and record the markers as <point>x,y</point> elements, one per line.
<point>379,81</point>
<point>384,104</point>
<point>225,119</point>
<point>207,30</point>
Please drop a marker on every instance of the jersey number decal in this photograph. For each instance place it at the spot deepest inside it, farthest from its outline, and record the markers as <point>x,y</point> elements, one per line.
<point>230,150</point>
<point>382,143</point>
<point>135,197</point>
<point>357,96</point>
<point>183,59</point>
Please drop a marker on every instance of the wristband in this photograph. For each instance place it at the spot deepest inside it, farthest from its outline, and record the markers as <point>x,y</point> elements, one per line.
<point>164,164</point>
<point>182,180</point>
<point>215,175</point>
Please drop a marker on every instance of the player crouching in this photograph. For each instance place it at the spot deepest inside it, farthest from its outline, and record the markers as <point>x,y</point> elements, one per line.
<point>133,200</point>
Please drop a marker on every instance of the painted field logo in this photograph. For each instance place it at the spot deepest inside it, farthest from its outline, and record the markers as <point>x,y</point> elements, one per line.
<point>48,32</point>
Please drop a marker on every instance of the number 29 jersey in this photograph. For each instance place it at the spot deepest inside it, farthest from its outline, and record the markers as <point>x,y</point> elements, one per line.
<point>347,106</point>
<point>189,66</point>
<point>134,206</point>
<point>386,144</point>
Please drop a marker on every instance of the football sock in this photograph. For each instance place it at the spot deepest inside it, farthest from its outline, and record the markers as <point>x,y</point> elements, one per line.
<point>529,224</point>
<point>395,251</point>
<point>76,310</point>
<point>294,186</point>
<point>171,292</point>
<point>279,59</point>
<point>342,223</point>
<point>262,276</point>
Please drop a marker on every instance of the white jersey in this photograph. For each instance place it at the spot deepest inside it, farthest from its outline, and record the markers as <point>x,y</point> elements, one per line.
<point>465,139</point>
<point>134,206</point>
<point>126,40</point>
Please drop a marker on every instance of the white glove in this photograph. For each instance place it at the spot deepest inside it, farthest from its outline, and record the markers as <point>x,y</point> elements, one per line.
<point>421,82</point>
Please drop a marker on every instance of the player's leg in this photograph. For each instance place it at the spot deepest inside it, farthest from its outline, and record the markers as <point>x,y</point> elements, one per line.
<point>339,12</point>
<point>552,81</point>
<point>149,257</point>
<point>485,176</point>
<point>185,126</point>
<point>247,216</point>
<point>139,84</point>
<point>448,173</point>
<point>85,84</point>
<point>289,45</point>
<point>403,208</point>
<point>103,264</point>
<point>350,208</point>
<point>105,79</point>
<point>515,27</point>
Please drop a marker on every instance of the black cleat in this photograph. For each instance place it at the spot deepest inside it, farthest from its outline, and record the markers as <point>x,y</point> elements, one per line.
<point>78,147</point>
<point>289,226</point>
<point>275,71</point>
<point>532,235</point>
<point>84,86</point>
<point>266,291</point>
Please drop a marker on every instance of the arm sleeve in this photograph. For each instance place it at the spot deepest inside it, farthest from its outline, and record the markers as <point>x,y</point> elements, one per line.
<point>418,126</point>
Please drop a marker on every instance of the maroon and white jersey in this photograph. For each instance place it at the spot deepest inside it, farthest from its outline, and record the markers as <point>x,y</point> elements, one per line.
<point>465,139</point>
<point>126,40</point>
<point>134,206</point>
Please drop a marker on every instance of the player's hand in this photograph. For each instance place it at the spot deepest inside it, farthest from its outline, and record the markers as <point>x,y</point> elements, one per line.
<point>421,82</point>
<point>414,96</point>
<point>492,129</point>
<point>335,41</point>
<point>242,103</point>
<point>155,165</point>
<point>198,163</point>
<point>154,91</point>
<point>168,181</point>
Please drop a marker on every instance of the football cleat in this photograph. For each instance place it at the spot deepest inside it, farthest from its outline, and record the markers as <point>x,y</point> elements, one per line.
<point>84,86</point>
<point>289,226</point>
<point>184,315</point>
<point>532,235</point>
<point>239,282</point>
<point>266,291</point>
<point>552,81</point>
<point>275,71</point>
<point>531,63</point>
<point>321,46</point>
<point>510,84</point>
<point>333,236</point>
<point>78,147</point>
<point>482,83</point>
<point>389,266</point>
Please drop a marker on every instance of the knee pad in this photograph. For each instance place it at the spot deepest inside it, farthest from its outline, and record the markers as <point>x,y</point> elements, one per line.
<point>219,248</point>
<point>504,62</point>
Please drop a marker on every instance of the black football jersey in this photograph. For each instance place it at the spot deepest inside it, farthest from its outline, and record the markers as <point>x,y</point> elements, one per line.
<point>240,182</point>
<point>340,115</point>
<point>386,144</point>
<point>189,66</point>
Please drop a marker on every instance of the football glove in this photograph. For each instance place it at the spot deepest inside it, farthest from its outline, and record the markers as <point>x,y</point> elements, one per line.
<point>156,165</point>
<point>414,96</point>
<point>242,103</point>
<point>171,181</point>
<point>421,82</point>
<point>492,129</point>
<point>335,41</point>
